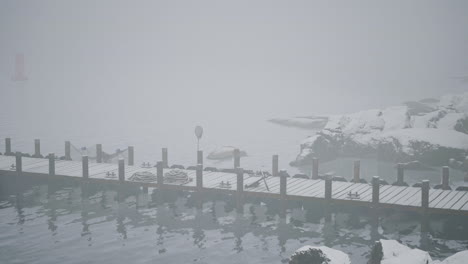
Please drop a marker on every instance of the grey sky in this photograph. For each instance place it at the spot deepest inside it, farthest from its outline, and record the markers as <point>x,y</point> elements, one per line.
<point>230,59</point>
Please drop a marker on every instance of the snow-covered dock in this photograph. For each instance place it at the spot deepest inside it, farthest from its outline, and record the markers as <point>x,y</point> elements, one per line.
<point>241,184</point>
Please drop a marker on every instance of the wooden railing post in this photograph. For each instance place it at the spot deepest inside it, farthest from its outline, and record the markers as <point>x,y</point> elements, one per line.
<point>200,157</point>
<point>8,147</point>
<point>160,173</point>
<point>199,175</point>
<point>328,187</point>
<point>375,189</point>
<point>121,170</point>
<point>85,166</point>
<point>37,148</point>
<point>99,153</point>
<point>240,190</point>
<point>315,168</point>
<point>357,171</point>
<point>425,194</point>
<point>400,174</point>
<point>67,150</point>
<point>52,164</point>
<point>165,158</point>
<point>131,156</point>
<point>236,158</point>
<point>240,181</point>
<point>445,178</point>
<point>283,183</point>
<point>275,166</point>
<point>19,162</point>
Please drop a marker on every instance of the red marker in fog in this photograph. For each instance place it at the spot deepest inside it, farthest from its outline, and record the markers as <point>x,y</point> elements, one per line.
<point>19,68</point>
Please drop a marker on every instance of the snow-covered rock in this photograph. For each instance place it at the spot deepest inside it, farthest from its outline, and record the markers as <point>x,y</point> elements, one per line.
<point>313,122</point>
<point>333,256</point>
<point>226,152</point>
<point>431,131</point>
<point>396,253</point>
<point>459,258</point>
<point>392,252</point>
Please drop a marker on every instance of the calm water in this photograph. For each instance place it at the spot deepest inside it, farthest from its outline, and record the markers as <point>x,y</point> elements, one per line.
<point>64,222</point>
<point>43,223</point>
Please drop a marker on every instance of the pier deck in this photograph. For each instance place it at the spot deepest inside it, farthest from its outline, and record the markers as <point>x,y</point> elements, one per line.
<point>398,197</point>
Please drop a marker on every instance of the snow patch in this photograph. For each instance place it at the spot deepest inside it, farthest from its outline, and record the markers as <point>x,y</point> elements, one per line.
<point>396,253</point>
<point>335,256</point>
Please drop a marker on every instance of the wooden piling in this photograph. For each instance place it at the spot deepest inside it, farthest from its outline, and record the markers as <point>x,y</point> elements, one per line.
<point>275,166</point>
<point>400,176</point>
<point>19,162</point>
<point>99,153</point>
<point>240,180</point>
<point>8,147</point>
<point>425,194</point>
<point>236,158</point>
<point>165,158</point>
<point>400,173</point>
<point>67,150</point>
<point>85,166</point>
<point>283,183</point>
<point>199,175</point>
<point>315,168</point>
<point>121,170</point>
<point>160,173</point>
<point>200,157</point>
<point>131,156</point>
<point>375,189</point>
<point>445,178</point>
<point>240,190</point>
<point>328,188</point>
<point>37,148</point>
<point>52,164</point>
<point>357,171</point>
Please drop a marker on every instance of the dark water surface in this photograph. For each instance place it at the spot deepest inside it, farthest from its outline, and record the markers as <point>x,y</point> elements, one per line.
<point>63,221</point>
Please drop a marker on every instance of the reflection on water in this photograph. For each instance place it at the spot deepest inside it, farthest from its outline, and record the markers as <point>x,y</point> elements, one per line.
<point>70,222</point>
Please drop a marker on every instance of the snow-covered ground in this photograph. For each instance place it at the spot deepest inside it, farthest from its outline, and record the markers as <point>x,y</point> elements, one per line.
<point>396,253</point>
<point>334,256</point>
<point>431,130</point>
<point>386,252</point>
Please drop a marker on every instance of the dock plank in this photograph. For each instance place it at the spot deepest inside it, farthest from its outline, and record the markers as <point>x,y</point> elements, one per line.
<point>391,199</point>
<point>311,185</point>
<point>410,198</point>
<point>403,199</point>
<point>392,195</point>
<point>308,190</point>
<point>436,200</point>
<point>448,203</point>
<point>307,185</point>
<point>462,201</point>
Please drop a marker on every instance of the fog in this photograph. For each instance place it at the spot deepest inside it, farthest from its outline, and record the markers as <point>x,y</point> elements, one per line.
<point>101,68</point>
<point>145,73</point>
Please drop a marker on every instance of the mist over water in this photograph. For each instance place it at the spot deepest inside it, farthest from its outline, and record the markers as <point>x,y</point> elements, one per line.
<point>145,73</point>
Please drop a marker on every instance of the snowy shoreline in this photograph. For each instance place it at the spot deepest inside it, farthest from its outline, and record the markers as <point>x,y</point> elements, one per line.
<point>383,252</point>
<point>432,131</point>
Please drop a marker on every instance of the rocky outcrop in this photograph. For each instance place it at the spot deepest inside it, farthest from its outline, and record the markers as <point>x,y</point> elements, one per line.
<point>319,255</point>
<point>383,252</point>
<point>226,152</point>
<point>430,131</point>
<point>310,122</point>
<point>393,252</point>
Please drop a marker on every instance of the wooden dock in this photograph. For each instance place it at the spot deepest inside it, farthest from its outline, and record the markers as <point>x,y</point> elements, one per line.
<point>373,195</point>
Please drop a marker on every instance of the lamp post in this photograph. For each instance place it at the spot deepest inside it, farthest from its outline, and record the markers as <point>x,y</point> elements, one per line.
<point>198,134</point>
